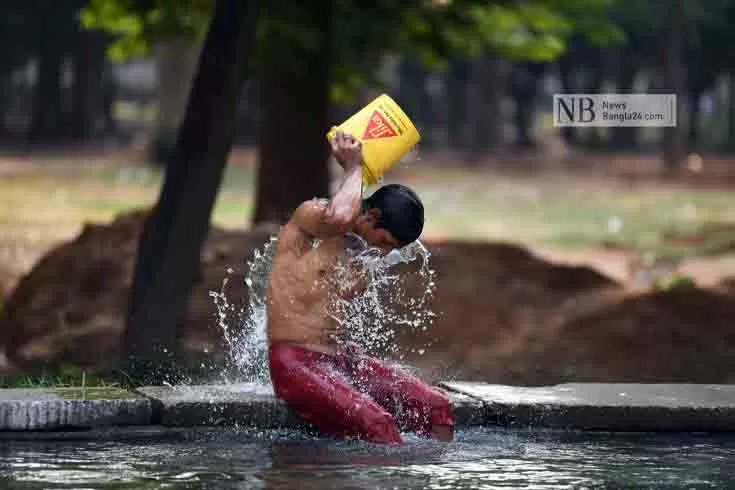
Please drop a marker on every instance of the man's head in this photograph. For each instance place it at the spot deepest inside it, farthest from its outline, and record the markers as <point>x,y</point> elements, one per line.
<point>393,216</point>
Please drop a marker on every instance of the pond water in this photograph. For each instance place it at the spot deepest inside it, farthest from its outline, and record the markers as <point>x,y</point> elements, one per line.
<point>478,459</point>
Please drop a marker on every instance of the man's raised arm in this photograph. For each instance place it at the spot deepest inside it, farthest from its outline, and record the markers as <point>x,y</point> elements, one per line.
<point>321,220</point>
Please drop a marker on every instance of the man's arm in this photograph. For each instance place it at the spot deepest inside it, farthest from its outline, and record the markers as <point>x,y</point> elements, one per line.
<point>335,218</point>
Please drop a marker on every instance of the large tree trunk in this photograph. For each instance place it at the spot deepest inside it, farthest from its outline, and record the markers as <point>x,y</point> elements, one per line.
<point>294,121</point>
<point>170,246</point>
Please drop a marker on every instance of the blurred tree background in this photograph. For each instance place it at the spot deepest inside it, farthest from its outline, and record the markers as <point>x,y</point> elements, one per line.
<point>188,80</point>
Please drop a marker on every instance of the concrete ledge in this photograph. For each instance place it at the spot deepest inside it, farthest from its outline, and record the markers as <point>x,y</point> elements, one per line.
<point>468,411</point>
<point>213,405</point>
<point>603,406</point>
<point>71,408</point>
<point>160,410</point>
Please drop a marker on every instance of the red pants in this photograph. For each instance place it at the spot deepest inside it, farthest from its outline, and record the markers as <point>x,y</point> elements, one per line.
<point>350,394</point>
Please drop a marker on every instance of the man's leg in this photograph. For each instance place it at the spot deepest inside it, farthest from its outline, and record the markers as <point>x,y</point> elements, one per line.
<point>416,406</point>
<point>325,398</point>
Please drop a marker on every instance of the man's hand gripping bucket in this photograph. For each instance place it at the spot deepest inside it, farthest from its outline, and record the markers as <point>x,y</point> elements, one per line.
<point>386,134</point>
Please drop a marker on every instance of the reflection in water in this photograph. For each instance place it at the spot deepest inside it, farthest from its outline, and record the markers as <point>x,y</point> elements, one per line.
<point>229,459</point>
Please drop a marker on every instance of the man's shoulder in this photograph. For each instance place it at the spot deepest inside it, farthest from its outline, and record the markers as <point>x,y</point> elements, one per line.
<point>294,240</point>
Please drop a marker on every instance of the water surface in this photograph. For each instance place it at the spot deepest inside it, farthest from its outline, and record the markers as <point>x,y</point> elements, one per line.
<point>478,459</point>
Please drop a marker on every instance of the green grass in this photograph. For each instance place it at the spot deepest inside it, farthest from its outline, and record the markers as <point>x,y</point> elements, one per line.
<point>43,205</point>
<point>571,214</point>
<point>61,377</point>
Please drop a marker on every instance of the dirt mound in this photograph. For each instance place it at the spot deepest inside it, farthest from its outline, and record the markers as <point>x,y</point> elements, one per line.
<point>614,336</point>
<point>71,306</point>
<point>670,336</point>
<point>504,315</point>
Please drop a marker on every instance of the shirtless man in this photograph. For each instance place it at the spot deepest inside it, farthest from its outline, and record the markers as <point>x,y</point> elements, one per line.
<point>329,383</point>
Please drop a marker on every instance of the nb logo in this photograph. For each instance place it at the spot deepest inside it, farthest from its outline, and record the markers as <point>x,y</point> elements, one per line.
<point>569,110</point>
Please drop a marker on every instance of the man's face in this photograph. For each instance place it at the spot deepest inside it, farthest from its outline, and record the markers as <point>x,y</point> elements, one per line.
<point>366,227</point>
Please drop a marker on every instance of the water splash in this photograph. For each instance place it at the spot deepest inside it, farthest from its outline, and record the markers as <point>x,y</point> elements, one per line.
<point>245,335</point>
<point>371,319</point>
<point>390,302</point>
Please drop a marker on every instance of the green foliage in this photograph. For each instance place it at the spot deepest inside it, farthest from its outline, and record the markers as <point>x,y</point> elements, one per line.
<point>365,30</point>
<point>137,24</point>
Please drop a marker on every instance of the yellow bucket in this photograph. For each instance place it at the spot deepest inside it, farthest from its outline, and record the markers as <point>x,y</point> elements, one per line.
<point>386,134</point>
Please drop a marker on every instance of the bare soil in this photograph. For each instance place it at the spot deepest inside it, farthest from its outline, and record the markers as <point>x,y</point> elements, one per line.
<point>504,314</point>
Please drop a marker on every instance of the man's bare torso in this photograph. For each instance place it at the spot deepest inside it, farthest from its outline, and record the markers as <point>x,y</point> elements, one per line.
<point>302,287</point>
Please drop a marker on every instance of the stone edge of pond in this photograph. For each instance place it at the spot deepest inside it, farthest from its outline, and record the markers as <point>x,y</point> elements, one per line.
<point>52,409</point>
<point>613,407</point>
<point>210,405</point>
<point>164,412</point>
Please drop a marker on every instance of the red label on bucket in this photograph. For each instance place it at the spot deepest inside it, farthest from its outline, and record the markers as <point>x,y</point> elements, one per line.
<point>378,127</point>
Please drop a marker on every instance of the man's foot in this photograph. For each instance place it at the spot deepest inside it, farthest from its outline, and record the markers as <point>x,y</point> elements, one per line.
<point>442,433</point>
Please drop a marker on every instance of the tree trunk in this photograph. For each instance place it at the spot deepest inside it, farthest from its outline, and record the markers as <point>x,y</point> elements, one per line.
<point>81,106</point>
<point>108,93</point>
<point>695,115</point>
<point>414,96</point>
<point>46,122</point>
<point>525,87</point>
<point>294,122</point>
<point>674,82</point>
<point>170,246</point>
<point>486,95</point>
<point>625,138</point>
<point>457,79</point>
<point>731,112</point>
<point>248,114</point>
<point>566,74</point>
<point>87,97</point>
<point>176,64</point>
<point>4,91</point>
<point>594,138</point>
